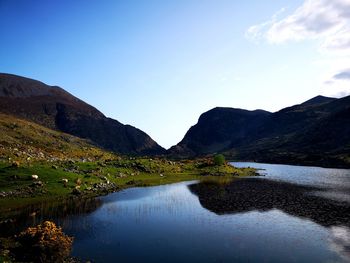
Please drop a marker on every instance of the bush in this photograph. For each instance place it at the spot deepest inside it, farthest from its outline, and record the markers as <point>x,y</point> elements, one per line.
<point>44,243</point>
<point>219,159</point>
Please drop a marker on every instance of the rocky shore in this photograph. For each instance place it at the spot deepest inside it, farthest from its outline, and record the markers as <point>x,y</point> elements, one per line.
<point>251,194</point>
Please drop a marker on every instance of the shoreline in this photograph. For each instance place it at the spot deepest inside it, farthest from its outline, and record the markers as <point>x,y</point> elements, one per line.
<point>93,179</point>
<point>307,164</point>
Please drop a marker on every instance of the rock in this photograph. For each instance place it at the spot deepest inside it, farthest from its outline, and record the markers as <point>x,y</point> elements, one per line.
<point>78,181</point>
<point>15,164</point>
<point>121,175</point>
<point>37,184</point>
<point>65,182</point>
<point>35,177</point>
<point>54,167</point>
<point>161,175</point>
<point>76,191</point>
<point>131,182</point>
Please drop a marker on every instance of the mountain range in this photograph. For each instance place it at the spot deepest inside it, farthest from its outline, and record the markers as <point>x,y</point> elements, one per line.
<point>316,132</point>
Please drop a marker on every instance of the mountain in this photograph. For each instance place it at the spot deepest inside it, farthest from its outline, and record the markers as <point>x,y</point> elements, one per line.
<point>316,132</point>
<point>220,128</point>
<point>317,100</point>
<point>24,141</point>
<point>55,108</point>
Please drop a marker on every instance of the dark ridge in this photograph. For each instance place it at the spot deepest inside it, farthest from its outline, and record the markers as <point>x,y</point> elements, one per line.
<point>55,108</point>
<point>317,100</point>
<point>315,132</point>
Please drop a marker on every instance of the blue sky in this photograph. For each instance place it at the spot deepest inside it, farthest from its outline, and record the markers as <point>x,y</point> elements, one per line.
<point>158,65</point>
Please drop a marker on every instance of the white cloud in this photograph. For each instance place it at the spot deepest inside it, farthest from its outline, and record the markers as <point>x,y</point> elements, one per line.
<point>338,42</point>
<point>256,32</point>
<point>328,21</point>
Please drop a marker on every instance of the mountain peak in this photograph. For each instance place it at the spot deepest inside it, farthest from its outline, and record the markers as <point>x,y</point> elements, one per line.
<point>57,109</point>
<point>21,87</point>
<point>317,100</point>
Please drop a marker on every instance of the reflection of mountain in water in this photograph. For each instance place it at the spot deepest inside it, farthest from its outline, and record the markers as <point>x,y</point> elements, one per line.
<point>35,214</point>
<point>250,194</point>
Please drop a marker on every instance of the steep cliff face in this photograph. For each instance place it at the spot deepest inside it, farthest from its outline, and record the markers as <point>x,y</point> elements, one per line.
<point>55,108</point>
<point>316,132</point>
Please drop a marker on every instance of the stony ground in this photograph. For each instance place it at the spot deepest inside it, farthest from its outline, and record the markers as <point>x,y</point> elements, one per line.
<point>248,194</point>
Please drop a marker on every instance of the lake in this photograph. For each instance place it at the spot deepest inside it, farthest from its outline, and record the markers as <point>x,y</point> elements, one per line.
<point>291,214</point>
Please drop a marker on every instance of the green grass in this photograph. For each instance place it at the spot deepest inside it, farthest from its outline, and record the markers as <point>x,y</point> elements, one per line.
<point>124,172</point>
<point>54,155</point>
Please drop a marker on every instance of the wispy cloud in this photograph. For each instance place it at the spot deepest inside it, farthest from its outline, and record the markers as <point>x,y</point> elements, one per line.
<point>344,75</point>
<point>328,21</point>
<point>256,32</point>
<point>338,84</point>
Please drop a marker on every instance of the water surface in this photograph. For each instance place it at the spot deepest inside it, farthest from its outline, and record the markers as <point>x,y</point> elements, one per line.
<point>336,182</point>
<point>265,219</point>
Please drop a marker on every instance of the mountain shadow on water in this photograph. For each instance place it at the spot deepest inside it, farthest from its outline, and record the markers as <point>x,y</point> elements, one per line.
<point>256,194</point>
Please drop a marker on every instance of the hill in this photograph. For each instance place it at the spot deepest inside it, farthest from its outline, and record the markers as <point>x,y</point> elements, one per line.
<point>315,132</point>
<point>38,164</point>
<point>54,108</point>
<point>27,142</point>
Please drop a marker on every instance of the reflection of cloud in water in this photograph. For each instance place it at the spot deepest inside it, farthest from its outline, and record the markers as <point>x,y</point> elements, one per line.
<point>340,241</point>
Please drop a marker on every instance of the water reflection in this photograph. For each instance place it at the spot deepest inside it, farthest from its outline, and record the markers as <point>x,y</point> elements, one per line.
<point>340,241</point>
<point>19,219</point>
<point>251,194</point>
<point>335,181</point>
<point>249,220</point>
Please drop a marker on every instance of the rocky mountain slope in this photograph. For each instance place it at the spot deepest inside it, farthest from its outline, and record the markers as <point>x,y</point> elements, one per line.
<point>55,108</point>
<point>316,132</point>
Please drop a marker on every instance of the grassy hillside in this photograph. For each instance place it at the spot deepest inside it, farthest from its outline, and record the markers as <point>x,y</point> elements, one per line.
<point>25,142</point>
<point>68,166</point>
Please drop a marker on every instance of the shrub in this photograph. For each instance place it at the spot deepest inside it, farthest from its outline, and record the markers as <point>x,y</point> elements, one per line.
<point>219,159</point>
<point>44,243</point>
